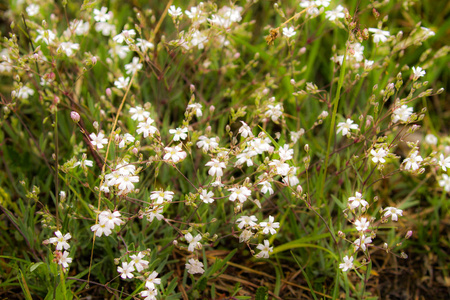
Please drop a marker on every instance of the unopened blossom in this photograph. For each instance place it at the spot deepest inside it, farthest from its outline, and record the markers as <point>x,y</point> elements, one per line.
<point>347,264</point>
<point>206,143</point>
<point>124,35</point>
<point>122,82</point>
<point>98,140</point>
<point>179,133</point>
<point>418,72</point>
<point>194,266</point>
<point>139,263</point>
<point>444,162</point>
<point>64,259</point>
<point>197,107</point>
<point>193,241</point>
<point>175,154</point>
<point>445,182</point>
<point>266,187</point>
<point>102,15</point>
<point>146,128</point>
<point>270,226</point>
<point>379,35</point>
<point>216,167</point>
<point>362,224</point>
<point>241,193</point>
<point>161,196</point>
<point>346,127</point>
<point>393,213</point>
<point>133,66</point>
<point>60,240</point>
<point>206,196</point>
<point>68,47</point>
<point>357,200</point>
<point>361,242</point>
<point>126,270</point>
<point>175,11</point>
<point>265,249</point>
<point>413,161</point>
<point>45,35</point>
<point>378,155</point>
<point>245,221</point>
<point>335,14</point>
<point>289,32</point>
<point>402,113</point>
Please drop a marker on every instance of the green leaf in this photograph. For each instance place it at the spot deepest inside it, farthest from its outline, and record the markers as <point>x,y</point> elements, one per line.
<point>261,293</point>
<point>35,266</point>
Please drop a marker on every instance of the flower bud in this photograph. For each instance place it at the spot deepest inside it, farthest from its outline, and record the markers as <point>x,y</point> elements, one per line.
<point>75,116</point>
<point>135,151</point>
<point>108,92</point>
<point>408,234</point>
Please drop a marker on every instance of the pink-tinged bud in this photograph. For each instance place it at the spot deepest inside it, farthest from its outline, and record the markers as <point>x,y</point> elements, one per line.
<point>341,234</point>
<point>94,60</point>
<point>292,81</point>
<point>75,116</point>
<point>237,55</point>
<point>302,50</point>
<point>108,92</point>
<point>192,88</point>
<point>36,56</point>
<point>299,189</point>
<point>408,234</point>
<point>135,151</point>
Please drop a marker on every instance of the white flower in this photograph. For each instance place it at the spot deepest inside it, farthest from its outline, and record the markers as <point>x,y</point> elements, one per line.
<point>110,219</point>
<point>270,226</point>
<point>175,11</point>
<point>274,112</point>
<point>206,196</point>
<point>428,32</point>
<point>431,139</point>
<point>149,294</point>
<point>241,193</point>
<point>62,195</point>
<point>348,264</point>
<point>265,249</point>
<point>362,224</point>
<point>285,152</point>
<point>60,240</point>
<point>216,167</point>
<point>68,47</point>
<point>156,212</point>
<point>79,26</point>
<point>122,82</point>
<point>32,9</point>
<point>175,154</point>
<point>296,135</point>
<point>194,266</point>
<point>179,133</point>
<point>246,221</point>
<point>193,241</point>
<point>245,130</point>
<point>98,140</point>
<point>402,113</point>
<point>413,161</point>
<point>64,259</point>
<point>124,35</point>
<point>102,15</point>
<point>197,107</point>
<point>289,32</point>
<point>445,182</point>
<point>346,126</point>
<point>394,212</point>
<point>361,242</point>
<point>126,270</point>
<point>378,155</point>
<point>207,143</point>
<point>46,35</point>
<point>291,179</point>
<point>379,35</point>
<point>125,182</point>
<point>119,50</point>
<point>126,139</point>
<point>281,167</point>
<point>144,44</point>
<point>368,65</point>
<point>337,13</point>
<point>146,128</point>
<point>245,235</point>
<point>245,157</point>
<point>357,201</point>
<point>266,187</point>
<point>198,39</point>
<point>25,92</point>
<point>138,261</point>
<point>151,280</point>
<point>444,162</point>
<point>105,28</point>
<point>161,196</point>
<point>134,66</point>
<point>101,229</point>
<point>418,72</point>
